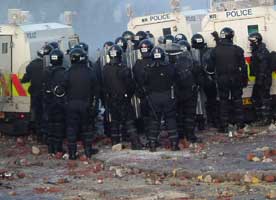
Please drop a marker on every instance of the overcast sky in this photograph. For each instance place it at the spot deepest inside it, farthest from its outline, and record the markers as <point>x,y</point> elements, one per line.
<point>97,20</point>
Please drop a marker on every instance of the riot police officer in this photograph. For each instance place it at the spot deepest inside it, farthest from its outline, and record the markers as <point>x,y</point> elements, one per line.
<point>34,75</point>
<point>139,70</point>
<point>139,36</point>
<point>159,86</point>
<point>81,86</point>
<point>260,68</point>
<point>128,35</point>
<point>100,63</point>
<point>55,94</point>
<point>207,94</point>
<point>186,94</point>
<point>122,42</point>
<point>227,60</point>
<point>119,88</point>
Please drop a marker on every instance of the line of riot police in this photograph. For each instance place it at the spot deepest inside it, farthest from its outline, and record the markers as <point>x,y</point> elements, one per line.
<point>145,87</point>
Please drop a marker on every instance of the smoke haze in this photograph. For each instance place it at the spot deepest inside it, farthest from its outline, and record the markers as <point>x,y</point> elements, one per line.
<point>96,21</point>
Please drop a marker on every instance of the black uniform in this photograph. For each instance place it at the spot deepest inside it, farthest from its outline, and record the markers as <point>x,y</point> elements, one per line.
<point>159,84</point>
<point>186,97</point>
<point>207,84</point>
<point>81,88</point>
<point>261,91</point>
<point>139,71</point>
<point>227,60</point>
<point>119,88</point>
<point>54,77</point>
<point>34,75</point>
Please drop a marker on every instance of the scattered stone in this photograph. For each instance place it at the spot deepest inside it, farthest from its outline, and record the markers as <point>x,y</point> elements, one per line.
<point>117,147</point>
<point>273,152</point>
<point>208,179</point>
<point>20,141</point>
<point>269,179</point>
<point>86,163</point>
<point>221,154</point>
<point>267,153</point>
<point>24,162</point>
<point>263,149</point>
<point>255,180</point>
<point>247,178</point>
<point>119,173</point>
<point>271,195</point>
<point>35,150</point>
<point>267,160</point>
<point>100,180</point>
<point>250,156</point>
<point>12,193</point>
<point>83,158</point>
<point>21,175</point>
<point>63,180</point>
<point>65,156</point>
<point>256,159</point>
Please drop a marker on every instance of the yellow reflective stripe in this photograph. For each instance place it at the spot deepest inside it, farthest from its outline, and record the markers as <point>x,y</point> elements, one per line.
<point>250,78</point>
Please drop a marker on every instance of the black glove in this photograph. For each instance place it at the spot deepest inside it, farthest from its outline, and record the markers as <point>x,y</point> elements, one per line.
<point>215,34</point>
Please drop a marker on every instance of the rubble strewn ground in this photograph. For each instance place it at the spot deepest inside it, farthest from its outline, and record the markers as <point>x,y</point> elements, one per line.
<point>222,168</point>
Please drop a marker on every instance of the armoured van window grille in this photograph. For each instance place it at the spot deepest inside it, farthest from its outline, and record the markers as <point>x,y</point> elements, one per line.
<point>4,48</point>
<point>167,31</point>
<point>252,29</point>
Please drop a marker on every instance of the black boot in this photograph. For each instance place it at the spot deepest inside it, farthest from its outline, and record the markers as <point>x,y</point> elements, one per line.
<point>72,150</point>
<point>51,148</point>
<point>135,142</point>
<point>192,138</point>
<point>115,140</point>
<point>152,146</point>
<point>174,145</point>
<point>58,147</point>
<point>88,151</point>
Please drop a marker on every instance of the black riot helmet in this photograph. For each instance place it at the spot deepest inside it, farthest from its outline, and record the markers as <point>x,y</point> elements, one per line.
<point>56,57</point>
<point>115,54</point>
<point>84,46</point>
<point>197,41</point>
<point>108,44</point>
<point>227,33</point>
<point>78,56</point>
<point>184,45</point>
<point>161,40</point>
<point>145,48</point>
<point>128,35</point>
<point>141,35</point>
<point>168,39</point>
<point>255,39</point>
<point>180,37</point>
<point>122,42</point>
<point>45,50</point>
<point>55,45</point>
<point>158,54</point>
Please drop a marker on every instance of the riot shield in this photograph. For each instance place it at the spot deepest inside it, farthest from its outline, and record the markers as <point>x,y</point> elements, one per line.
<point>131,56</point>
<point>200,109</point>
